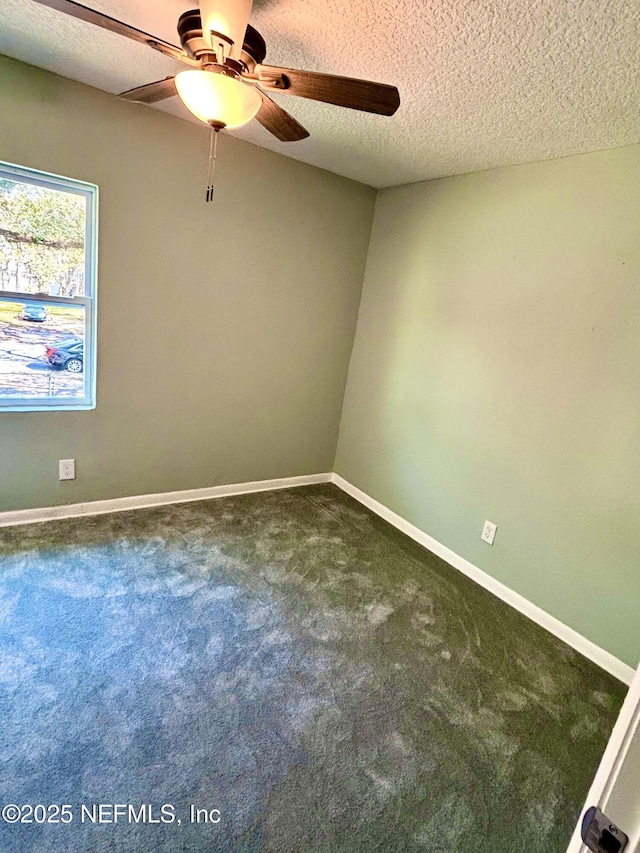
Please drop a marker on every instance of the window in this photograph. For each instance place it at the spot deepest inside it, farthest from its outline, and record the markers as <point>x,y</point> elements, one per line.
<point>48,254</point>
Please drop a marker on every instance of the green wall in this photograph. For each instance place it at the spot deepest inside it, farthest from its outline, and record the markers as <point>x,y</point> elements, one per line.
<point>495,372</point>
<point>496,375</point>
<point>224,330</point>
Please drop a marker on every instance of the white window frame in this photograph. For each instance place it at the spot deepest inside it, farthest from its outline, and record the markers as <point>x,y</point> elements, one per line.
<point>21,174</point>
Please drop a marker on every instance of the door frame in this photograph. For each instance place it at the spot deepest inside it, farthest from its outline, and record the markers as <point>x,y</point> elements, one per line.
<point>626,728</point>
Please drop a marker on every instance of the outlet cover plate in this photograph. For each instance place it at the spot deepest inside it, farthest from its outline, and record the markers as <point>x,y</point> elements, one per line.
<point>67,469</point>
<point>489,532</point>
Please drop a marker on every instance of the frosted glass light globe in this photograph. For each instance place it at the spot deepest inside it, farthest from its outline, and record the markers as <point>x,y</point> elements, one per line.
<point>214,97</point>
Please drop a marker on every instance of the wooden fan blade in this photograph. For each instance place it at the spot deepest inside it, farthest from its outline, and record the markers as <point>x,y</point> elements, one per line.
<point>152,92</point>
<point>83,13</point>
<point>278,121</point>
<point>348,92</point>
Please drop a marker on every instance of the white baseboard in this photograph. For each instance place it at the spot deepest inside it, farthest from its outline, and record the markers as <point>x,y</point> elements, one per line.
<point>590,650</point>
<point>49,513</point>
<point>599,656</point>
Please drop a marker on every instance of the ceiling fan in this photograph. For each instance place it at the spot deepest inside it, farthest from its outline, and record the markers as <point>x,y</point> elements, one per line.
<point>227,84</point>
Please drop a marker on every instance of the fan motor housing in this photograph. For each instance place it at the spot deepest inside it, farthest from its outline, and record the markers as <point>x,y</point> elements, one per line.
<point>254,48</point>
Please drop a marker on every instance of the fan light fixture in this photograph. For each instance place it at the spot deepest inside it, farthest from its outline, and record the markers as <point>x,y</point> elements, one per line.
<point>217,99</point>
<point>227,86</point>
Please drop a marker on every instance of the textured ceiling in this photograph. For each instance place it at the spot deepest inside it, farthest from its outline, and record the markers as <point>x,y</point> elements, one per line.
<point>483,83</point>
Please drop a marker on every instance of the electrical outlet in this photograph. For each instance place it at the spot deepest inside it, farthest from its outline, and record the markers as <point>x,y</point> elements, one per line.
<point>489,532</point>
<point>67,469</point>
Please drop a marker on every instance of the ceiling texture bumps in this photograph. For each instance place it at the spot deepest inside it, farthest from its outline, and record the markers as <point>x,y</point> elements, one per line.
<point>483,83</point>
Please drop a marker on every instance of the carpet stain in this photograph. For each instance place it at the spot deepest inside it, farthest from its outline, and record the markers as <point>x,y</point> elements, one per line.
<point>292,661</point>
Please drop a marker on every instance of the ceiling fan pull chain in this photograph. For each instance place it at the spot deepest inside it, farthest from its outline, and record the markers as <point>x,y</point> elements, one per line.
<point>213,154</point>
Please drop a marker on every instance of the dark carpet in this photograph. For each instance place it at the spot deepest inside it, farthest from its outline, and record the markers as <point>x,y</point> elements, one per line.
<point>293,662</point>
